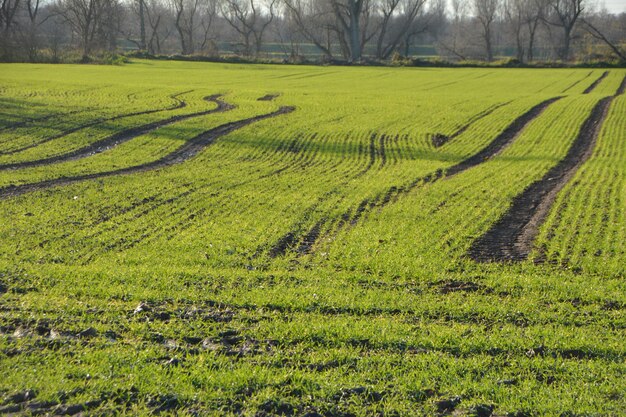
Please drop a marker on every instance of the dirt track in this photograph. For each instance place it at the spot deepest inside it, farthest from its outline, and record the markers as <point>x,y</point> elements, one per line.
<point>511,238</point>
<point>577,82</point>
<point>119,138</point>
<point>439,139</point>
<point>190,149</point>
<point>179,104</point>
<point>595,83</point>
<point>304,242</point>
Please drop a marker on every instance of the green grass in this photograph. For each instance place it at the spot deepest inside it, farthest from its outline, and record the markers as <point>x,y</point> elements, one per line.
<point>386,316</point>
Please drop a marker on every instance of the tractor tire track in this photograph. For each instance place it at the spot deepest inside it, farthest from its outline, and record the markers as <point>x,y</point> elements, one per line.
<point>299,239</point>
<point>187,151</point>
<point>268,97</point>
<point>511,238</point>
<point>439,139</point>
<point>291,239</point>
<point>622,88</point>
<point>119,138</point>
<point>305,242</point>
<point>373,153</point>
<point>595,83</point>
<point>178,105</point>
<point>29,120</point>
<point>577,82</point>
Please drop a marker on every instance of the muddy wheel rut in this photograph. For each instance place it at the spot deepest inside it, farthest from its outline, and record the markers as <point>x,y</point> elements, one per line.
<point>595,83</point>
<point>511,238</point>
<point>187,151</point>
<point>303,243</point>
<point>268,97</point>
<point>438,139</point>
<point>622,88</point>
<point>179,104</point>
<point>577,82</point>
<point>119,138</point>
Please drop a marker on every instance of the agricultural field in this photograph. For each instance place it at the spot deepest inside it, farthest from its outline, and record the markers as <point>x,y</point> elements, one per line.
<point>217,239</point>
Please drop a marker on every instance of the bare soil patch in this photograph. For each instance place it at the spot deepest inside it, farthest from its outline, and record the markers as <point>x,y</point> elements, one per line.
<point>268,97</point>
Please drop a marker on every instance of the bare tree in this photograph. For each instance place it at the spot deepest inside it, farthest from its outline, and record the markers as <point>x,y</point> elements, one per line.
<point>486,12</point>
<point>93,21</point>
<point>8,10</point>
<point>523,18</point>
<point>250,19</point>
<point>565,14</point>
<point>348,14</point>
<point>208,16</point>
<point>515,24</point>
<point>428,22</point>
<point>455,41</point>
<point>464,29</point>
<point>287,31</point>
<point>533,13</point>
<point>314,22</point>
<point>137,10</point>
<point>185,14</point>
<point>398,17</point>
<point>159,30</point>
<point>606,34</point>
<point>142,24</point>
<point>29,29</point>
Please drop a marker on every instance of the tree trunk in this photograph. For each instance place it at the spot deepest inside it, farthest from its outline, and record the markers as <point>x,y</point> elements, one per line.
<point>142,26</point>
<point>355,33</point>
<point>531,41</point>
<point>566,44</point>
<point>488,46</point>
<point>520,46</point>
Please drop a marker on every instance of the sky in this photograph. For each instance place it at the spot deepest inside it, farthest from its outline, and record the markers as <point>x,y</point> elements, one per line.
<point>615,6</point>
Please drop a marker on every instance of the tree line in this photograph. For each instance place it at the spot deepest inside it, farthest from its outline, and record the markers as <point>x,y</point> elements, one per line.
<point>347,30</point>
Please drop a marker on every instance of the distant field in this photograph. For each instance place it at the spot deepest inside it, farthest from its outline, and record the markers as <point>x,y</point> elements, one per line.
<point>212,239</point>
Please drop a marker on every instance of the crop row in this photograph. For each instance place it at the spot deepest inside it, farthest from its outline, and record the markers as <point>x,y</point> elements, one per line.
<point>586,227</point>
<point>444,219</point>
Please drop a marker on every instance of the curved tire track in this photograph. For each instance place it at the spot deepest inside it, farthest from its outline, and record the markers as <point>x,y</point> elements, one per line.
<point>438,140</point>
<point>29,120</point>
<point>511,238</point>
<point>268,97</point>
<point>119,138</point>
<point>595,83</point>
<point>305,242</point>
<point>577,82</point>
<point>187,151</point>
<point>179,105</point>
